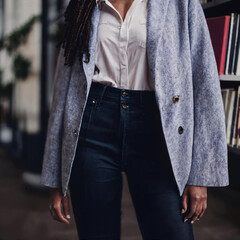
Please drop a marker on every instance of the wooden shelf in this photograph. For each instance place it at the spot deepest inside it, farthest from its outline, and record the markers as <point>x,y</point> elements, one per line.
<point>229,78</point>
<point>215,4</point>
<point>234,150</point>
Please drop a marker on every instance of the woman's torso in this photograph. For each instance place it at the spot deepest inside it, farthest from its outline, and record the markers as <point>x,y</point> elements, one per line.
<point>121,55</point>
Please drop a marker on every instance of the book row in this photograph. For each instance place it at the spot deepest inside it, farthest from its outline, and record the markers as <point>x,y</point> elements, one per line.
<point>231,101</point>
<point>225,37</point>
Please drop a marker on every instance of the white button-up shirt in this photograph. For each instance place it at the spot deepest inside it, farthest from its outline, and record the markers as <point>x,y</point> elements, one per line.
<point>121,54</point>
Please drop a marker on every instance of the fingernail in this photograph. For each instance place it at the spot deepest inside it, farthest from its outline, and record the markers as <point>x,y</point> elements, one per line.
<point>192,222</point>
<point>182,211</point>
<point>68,216</point>
<point>185,219</point>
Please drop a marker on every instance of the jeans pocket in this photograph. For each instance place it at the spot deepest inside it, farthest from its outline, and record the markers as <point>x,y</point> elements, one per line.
<point>87,116</point>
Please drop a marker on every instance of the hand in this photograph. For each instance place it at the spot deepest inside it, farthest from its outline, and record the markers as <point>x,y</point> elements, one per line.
<point>194,199</point>
<point>59,202</point>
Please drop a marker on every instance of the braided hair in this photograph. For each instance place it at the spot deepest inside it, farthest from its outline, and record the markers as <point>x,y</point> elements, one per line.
<point>77,29</point>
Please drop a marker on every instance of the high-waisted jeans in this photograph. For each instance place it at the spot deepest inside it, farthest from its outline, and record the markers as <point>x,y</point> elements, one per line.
<point>121,131</point>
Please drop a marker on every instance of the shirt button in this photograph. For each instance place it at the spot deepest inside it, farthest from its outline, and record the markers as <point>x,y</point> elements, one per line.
<point>124,106</point>
<point>123,45</point>
<point>180,130</point>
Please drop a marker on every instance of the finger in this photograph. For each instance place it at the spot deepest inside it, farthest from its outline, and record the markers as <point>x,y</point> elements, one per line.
<point>54,215</point>
<point>184,203</point>
<point>52,212</point>
<point>58,212</point>
<point>66,207</point>
<point>193,206</point>
<point>203,210</point>
<point>197,213</point>
<point>204,206</point>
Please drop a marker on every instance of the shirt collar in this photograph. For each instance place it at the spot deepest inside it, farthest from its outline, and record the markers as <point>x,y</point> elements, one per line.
<point>99,3</point>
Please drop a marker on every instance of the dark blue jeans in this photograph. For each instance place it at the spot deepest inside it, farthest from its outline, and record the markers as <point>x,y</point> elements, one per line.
<point>122,132</point>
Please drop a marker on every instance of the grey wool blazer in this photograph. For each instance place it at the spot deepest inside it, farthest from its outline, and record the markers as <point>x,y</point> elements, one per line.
<point>182,63</point>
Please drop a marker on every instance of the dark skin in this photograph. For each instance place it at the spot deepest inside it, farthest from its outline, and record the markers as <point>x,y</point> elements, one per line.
<point>194,198</point>
<point>121,6</point>
<point>59,206</point>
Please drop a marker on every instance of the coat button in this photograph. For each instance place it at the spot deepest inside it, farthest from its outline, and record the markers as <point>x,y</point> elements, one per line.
<point>75,132</point>
<point>175,98</point>
<point>180,130</point>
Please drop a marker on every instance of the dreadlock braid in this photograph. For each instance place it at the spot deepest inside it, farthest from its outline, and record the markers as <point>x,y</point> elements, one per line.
<point>77,28</point>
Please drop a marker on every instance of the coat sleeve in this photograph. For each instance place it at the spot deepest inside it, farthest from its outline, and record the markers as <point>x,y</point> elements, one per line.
<point>51,168</point>
<point>209,159</point>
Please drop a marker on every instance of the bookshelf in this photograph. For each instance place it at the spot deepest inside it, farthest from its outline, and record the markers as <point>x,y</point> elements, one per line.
<point>229,78</point>
<point>215,4</point>
<point>220,7</point>
<point>234,150</point>
<point>215,9</point>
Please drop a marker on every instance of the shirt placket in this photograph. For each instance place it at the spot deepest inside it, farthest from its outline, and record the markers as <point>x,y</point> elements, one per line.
<point>123,58</point>
<point>123,80</point>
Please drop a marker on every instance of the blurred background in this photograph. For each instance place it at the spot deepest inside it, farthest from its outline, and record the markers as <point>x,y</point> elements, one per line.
<point>29,33</point>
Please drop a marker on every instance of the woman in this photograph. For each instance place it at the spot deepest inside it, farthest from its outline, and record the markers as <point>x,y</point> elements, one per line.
<point>145,99</point>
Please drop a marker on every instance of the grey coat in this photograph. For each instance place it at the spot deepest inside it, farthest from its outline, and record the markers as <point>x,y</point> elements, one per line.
<point>182,63</point>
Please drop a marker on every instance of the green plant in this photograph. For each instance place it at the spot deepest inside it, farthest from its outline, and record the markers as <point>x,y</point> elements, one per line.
<point>21,66</point>
<point>18,36</point>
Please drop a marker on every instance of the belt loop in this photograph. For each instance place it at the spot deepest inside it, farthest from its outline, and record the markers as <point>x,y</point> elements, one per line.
<point>102,93</point>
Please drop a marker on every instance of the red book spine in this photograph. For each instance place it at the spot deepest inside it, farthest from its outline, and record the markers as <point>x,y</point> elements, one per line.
<point>219,29</point>
<point>224,45</point>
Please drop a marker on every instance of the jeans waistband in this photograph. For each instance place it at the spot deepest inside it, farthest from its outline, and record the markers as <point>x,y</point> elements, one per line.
<point>100,91</point>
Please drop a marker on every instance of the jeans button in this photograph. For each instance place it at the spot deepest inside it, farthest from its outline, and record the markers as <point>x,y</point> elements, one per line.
<point>124,106</point>
<point>124,94</point>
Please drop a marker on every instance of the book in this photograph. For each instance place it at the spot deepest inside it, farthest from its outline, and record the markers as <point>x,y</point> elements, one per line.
<point>236,46</point>
<point>219,29</point>
<point>237,122</point>
<point>233,43</point>
<point>234,118</point>
<point>231,98</point>
<point>229,44</point>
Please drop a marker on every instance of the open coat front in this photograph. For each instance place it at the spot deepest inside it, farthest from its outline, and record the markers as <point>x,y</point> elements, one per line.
<point>182,63</point>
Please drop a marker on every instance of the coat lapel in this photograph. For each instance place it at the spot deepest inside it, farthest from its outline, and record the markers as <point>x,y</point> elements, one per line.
<point>89,67</point>
<point>157,10</point>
